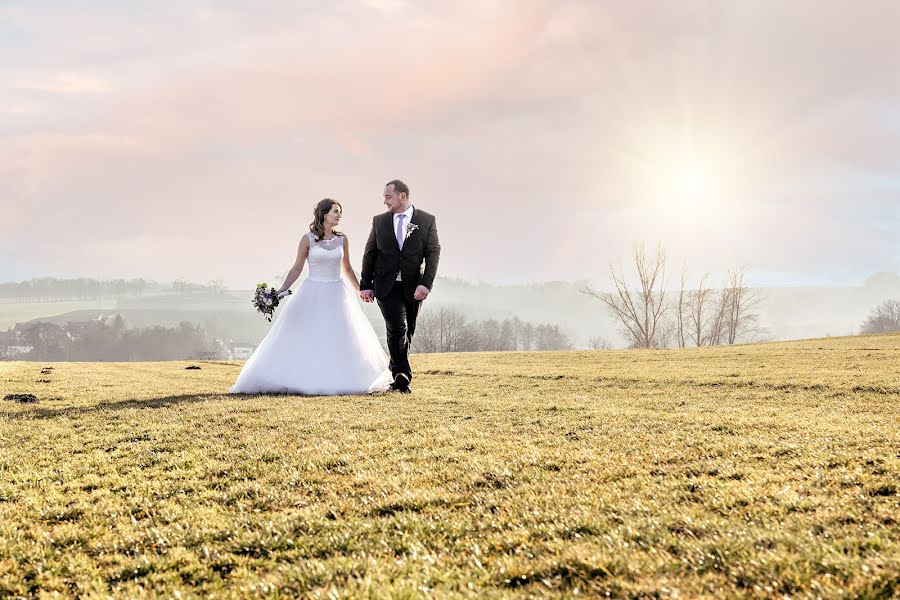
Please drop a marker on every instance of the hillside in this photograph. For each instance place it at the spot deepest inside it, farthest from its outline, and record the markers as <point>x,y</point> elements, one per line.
<point>12,312</point>
<point>756,470</point>
<point>785,312</point>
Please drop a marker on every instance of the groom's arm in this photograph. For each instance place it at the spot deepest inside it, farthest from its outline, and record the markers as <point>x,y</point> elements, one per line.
<point>432,256</point>
<point>367,275</point>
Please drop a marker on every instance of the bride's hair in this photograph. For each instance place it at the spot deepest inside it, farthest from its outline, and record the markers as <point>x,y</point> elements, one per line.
<point>318,224</point>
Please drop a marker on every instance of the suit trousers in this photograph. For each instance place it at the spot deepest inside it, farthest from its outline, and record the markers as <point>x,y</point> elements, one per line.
<point>400,324</point>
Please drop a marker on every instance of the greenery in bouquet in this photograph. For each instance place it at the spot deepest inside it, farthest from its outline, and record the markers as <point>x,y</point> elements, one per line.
<point>266,299</point>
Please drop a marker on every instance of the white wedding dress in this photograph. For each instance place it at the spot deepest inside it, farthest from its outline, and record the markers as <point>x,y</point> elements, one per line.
<point>321,343</point>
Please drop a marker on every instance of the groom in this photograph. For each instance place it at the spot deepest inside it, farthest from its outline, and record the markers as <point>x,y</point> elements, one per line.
<point>400,241</point>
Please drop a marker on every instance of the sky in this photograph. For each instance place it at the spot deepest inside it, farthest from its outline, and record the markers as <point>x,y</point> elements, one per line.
<point>174,139</point>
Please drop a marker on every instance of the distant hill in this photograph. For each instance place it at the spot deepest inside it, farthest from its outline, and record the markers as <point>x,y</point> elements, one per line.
<point>229,315</point>
<point>786,312</point>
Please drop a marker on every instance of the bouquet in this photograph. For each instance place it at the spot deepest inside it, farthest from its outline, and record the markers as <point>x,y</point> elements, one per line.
<point>266,299</point>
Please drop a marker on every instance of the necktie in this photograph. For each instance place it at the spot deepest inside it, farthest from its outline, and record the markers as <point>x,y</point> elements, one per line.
<point>400,218</point>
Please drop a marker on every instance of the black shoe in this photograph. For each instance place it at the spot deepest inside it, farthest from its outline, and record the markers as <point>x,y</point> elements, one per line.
<point>401,383</point>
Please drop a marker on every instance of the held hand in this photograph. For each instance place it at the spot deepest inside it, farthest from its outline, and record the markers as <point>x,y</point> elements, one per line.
<point>421,293</point>
<point>283,294</point>
<point>367,295</point>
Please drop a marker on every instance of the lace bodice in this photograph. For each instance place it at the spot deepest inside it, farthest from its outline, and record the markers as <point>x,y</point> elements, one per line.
<point>325,258</point>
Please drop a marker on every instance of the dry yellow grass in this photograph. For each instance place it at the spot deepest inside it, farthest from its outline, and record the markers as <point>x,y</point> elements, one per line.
<point>759,470</point>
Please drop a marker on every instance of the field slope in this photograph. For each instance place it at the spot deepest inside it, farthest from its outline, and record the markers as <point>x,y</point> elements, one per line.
<point>761,470</point>
<point>12,313</point>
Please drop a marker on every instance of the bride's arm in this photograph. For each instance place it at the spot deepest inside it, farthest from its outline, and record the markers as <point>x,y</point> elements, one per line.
<point>348,270</point>
<point>294,273</point>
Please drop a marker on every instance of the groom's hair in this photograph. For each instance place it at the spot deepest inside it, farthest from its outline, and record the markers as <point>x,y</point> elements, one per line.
<point>399,186</point>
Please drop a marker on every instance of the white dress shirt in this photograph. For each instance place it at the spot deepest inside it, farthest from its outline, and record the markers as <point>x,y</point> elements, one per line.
<point>406,221</point>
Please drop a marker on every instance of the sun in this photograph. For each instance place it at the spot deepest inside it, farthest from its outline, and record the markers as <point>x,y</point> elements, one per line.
<point>694,181</point>
<point>691,185</point>
<point>681,185</point>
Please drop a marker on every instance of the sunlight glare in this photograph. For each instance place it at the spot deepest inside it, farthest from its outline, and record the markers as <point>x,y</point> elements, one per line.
<point>691,186</point>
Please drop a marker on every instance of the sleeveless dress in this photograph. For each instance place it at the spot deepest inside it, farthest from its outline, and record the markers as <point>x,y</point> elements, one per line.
<point>321,342</point>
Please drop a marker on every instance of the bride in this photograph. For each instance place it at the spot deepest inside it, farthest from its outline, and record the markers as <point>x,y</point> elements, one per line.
<point>321,343</point>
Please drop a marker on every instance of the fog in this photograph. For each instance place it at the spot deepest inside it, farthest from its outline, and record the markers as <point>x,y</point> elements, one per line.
<point>226,315</point>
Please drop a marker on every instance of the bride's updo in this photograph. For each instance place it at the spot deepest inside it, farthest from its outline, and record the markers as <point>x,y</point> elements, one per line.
<point>318,224</point>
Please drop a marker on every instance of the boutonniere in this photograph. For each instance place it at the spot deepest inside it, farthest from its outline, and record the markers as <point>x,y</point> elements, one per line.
<point>410,227</point>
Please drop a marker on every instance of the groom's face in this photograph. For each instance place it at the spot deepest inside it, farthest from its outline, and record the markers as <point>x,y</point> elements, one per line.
<point>395,202</point>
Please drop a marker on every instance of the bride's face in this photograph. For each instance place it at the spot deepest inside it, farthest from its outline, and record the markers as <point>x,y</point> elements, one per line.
<point>333,216</point>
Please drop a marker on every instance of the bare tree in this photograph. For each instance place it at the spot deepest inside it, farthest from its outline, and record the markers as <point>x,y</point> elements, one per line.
<point>517,328</point>
<point>699,330</point>
<point>739,304</point>
<point>639,311</point>
<point>667,334</point>
<point>455,333</point>
<point>884,318</point>
<point>599,343</point>
<point>490,334</point>
<point>527,336</point>
<point>679,309</point>
<point>427,334</point>
<point>549,337</point>
<point>217,287</point>
<point>507,336</point>
<point>441,330</point>
<point>717,327</point>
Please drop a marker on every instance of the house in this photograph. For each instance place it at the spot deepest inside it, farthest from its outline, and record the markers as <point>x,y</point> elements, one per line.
<point>13,352</point>
<point>11,346</point>
<point>240,351</point>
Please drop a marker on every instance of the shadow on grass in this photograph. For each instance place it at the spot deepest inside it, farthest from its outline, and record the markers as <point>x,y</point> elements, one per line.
<point>39,412</point>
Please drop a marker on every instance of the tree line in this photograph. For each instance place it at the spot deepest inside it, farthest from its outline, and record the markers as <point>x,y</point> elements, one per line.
<point>110,340</point>
<point>447,329</point>
<point>51,289</point>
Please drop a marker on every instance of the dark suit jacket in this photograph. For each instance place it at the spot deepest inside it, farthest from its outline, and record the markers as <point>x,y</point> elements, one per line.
<point>382,258</point>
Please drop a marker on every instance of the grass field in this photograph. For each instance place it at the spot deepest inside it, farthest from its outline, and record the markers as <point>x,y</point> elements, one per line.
<point>765,471</point>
